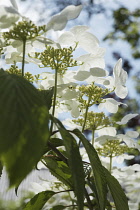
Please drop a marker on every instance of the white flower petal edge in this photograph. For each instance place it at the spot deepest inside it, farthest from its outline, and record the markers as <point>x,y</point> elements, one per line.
<point>126,118</point>
<point>123,157</point>
<point>59,21</point>
<point>132,134</point>
<point>71,11</point>
<point>14,3</point>
<point>110,104</point>
<point>111,131</point>
<point>80,35</point>
<point>120,79</point>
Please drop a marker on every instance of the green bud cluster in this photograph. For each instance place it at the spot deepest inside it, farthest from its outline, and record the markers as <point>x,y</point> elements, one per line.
<point>24,30</point>
<point>93,121</point>
<point>59,59</point>
<point>112,148</point>
<point>14,70</point>
<point>94,94</point>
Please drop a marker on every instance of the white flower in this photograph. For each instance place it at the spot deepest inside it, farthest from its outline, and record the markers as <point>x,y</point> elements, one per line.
<point>49,79</point>
<point>118,81</point>
<point>80,35</point>
<point>126,118</point>
<point>71,125</point>
<point>95,59</point>
<point>123,157</point>
<point>72,105</point>
<point>59,21</point>
<point>111,131</point>
<point>9,15</point>
<point>127,138</point>
<point>110,104</point>
<point>103,139</point>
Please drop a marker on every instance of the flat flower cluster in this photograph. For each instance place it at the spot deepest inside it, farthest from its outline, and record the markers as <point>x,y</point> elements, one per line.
<point>83,89</point>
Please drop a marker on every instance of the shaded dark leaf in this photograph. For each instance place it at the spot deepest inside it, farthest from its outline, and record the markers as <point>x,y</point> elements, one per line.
<point>60,170</point>
<point>117,192</point>
<point>39,200</point>
<point>98,171</point>
<point>74,161</point>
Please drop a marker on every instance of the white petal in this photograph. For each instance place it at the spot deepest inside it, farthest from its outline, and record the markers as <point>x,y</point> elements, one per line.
<point>117,68</point>
<point>102,139</point>
<point>136,167</point>
<point>126,118</point>
<point>76,30</point>
<point>82,75</point>
<point>111,131</point>
<point>110,104</point>
<point>14,3</point>
<point>121,91</point>
<point>132,134</point>
<point>98,72</point>
<point>57,22</point>
<point>68,94</point>
<point>123,77</point>
<point>88,41</point>
<point>71,12</point>
<point>120,159</point>
<point>67,38</point>
<point>75,110</point>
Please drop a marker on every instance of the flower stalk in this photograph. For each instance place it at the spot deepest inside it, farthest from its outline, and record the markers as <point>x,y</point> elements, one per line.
<point>23,58</point>
<point>54,99</point>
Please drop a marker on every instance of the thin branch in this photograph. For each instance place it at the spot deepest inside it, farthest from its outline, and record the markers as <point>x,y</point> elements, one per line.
<point>60,155</point>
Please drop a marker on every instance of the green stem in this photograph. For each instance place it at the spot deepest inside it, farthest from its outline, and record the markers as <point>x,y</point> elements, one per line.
<point>23,58</point>
<point>62,157</point>
<point>110,169</point>
<point>86,112</point>
<point>110,165</point>
<point>54,99</point>
<point>93,137</point>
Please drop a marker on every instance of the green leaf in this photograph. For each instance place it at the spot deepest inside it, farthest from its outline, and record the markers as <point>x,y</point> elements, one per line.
<point>24,122</point>
<point>75,163</point>
<point>117,192</point>
<point>56,142</point>
<point>58,207</point>
<point>60,170</point>
<point>98,170</point>
<point>47,96</point>
<point>1,168</point>
<point>39,200</point>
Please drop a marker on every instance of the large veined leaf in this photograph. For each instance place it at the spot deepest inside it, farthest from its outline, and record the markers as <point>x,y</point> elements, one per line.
<point>24,128</point>
<point>39,200</point>
<point>75,163</point>
<point>117,192</point>
<point>98,170</point>
<point>60,170</point>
